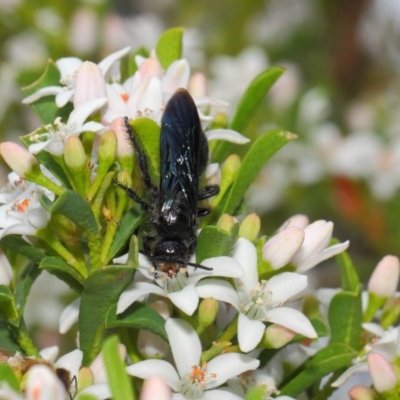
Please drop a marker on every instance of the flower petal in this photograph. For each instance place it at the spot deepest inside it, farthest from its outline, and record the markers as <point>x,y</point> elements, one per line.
<point>250,333</point>
<point>64,97</point>
<point>245,254</point>
<point>71,362</point>
<point>186,299</point>
<point>99,391</point>
<point>226,134</point>
<point>222,266</point>
<point>79,114</point>
<point>46,91</point>
<point>147,369</point>
<point>69,316</point>
<point>227,366</point>
<point>355,369</point>
<point>220,395</point>
<point>176,76</point>
<point>285,285</point>
<point>107,62</point>
<point>185,344</point>
<point>292,319</point>
<point>135,291</point>
<point>219,290</point>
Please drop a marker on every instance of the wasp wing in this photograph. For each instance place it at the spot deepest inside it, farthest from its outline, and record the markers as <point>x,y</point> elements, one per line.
<point>180,146</point>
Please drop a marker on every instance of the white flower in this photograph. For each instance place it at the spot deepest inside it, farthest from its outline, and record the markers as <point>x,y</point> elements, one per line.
<point>56,135</point>
<point>21,212</point>
<point>68,67</point>
<point>191,380</point>
<point>180,289</point>
<point>259,302</point>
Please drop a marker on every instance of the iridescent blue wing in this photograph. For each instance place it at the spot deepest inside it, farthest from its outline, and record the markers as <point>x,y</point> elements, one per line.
<point>180,145</point>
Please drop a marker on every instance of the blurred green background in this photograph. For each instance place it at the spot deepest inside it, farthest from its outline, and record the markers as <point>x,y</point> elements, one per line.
<point>339,94</point>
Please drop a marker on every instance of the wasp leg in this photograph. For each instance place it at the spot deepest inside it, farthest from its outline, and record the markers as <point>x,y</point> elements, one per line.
<point>208,192</point>
<point>202,212</point>
<point>142,159</point>
<point>133,195</point>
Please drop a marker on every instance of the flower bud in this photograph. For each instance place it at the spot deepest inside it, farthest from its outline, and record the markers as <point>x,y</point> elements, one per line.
<point>155,388</point>
<point>89,84</point>
<point>85,378</point>
<point>107,149</point>
<point>250,227</point>
<point>19,159</point>
<point>226,222</point>
<point>362,393</point>
<point>208,309</point>
<point>74,154</point>
<point>277,336</point>
<point>75,159</point>
<point>298,220</point>
<point>124,151</point>
<point>382,373</point>
<point>385,278</point>
<point>280,248</point>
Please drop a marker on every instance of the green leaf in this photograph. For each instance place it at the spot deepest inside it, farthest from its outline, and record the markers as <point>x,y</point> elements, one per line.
<point>345,318</point>
<point>7,303</point>
<point>348,273</point>
<point>148,133</point>
<point>320,327</point>
<point>138,316</point>
<point>7,340</point>
<point>45,108</point>
<point>24,284</point>
<point>17,244</point>
<point>62,270</point>
<point>118,379</point>
<point>101,289</point>
<point>127,227</point>
<point>253,97</point>
<point>7,375</point>
<point>329,359</point>
<point>169,46</point>
<point>261,150</point>
<point>73,206</point>
<point>214,242</point>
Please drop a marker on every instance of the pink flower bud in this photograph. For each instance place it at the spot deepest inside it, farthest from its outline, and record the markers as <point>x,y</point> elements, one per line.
<point>90,83</point>
<point>280,248</point>
<point>298,220</point>
<point>278,336</point>
<point>385,278</point>
<point>362,393</point>
<point>124,146</point>
<point>18,159</point>
<point>382,372</point>
<point>150,68</point>
<point>155,388</point>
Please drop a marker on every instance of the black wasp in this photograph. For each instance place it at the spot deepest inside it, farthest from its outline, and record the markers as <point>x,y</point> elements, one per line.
<point>171,238</point>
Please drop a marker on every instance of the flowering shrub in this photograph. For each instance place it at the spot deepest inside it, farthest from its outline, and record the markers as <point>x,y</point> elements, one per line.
<point>248,327</point>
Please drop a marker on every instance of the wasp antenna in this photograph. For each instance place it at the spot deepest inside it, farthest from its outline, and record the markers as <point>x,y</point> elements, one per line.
<point>196,265</point>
